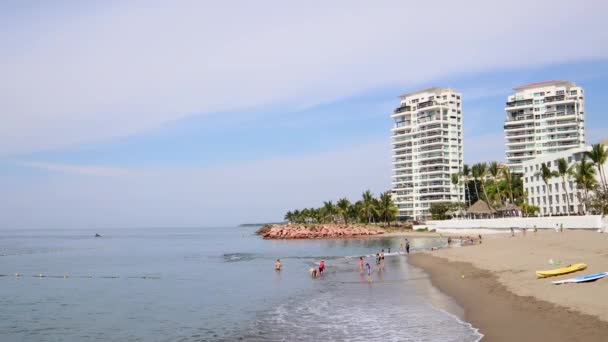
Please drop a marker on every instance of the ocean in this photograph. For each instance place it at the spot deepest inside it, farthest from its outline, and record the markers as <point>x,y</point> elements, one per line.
<point>214,284</point>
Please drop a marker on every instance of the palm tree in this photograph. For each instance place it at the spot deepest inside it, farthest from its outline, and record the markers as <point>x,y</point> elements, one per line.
<point>546,174</point>
<point>494,170</point>
<point>289,217</point>
<point>508,177</point>
<point>466,173</point>
<point>482,170</point>
<point>387,209</point>
<point>329,210</point>
<point>585,179</point>
<point>475,173</point>
<point>564,171</point>
<point>297,216</point>
<point>344,208</point>
<point>455,177</point>
<point>368,206</point>
<point>599,156</point>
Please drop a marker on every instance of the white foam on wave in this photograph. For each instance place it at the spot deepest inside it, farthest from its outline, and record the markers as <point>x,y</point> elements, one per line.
<point>332,316</point>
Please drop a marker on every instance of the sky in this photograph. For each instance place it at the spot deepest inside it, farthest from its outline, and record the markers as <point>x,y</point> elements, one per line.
<point>193,113</point>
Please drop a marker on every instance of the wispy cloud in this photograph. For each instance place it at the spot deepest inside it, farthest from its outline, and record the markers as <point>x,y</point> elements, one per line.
<point>89,170</point>
<point>168,196</point>
<point>90,73</point>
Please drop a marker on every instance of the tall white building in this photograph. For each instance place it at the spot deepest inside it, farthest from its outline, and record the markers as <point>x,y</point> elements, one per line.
<point>543,118</point>
<point>427,149</point>
<point>553,198</point>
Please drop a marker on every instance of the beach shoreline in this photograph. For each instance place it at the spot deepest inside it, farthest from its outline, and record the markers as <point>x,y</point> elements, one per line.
<point>494,283</point>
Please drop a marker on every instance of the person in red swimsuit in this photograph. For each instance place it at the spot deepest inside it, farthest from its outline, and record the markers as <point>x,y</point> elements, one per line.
<point>321,267</point>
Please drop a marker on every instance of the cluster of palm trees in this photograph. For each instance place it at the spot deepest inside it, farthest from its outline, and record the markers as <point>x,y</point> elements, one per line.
<point>489,182</point>
<point>584,174</point>
<point>367,210</point>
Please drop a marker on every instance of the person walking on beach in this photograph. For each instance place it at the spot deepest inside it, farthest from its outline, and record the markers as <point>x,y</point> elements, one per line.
<point>321,267</point>
<point>277,265</point>
<point>369,272</point>
<point>407,246</point>
<point>561,227</point>
<point>535,229</point>
<point>360,264</point>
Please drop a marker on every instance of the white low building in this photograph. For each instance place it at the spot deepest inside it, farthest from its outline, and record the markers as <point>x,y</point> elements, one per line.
<point>553,199</point>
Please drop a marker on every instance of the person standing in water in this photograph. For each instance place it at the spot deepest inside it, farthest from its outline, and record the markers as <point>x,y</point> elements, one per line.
<point>407,247</point>
<point>360,264</point>
<point>382,259</point>
<point>369,272</point>
<point>277,265</point>
<point>321,267</point>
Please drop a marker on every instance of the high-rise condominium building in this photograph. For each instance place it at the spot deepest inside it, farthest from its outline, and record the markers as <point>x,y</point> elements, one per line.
<point>427,150</point>
<point>543,118</point>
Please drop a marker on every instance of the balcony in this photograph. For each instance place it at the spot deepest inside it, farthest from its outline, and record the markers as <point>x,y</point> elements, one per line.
<point>401,109</point>
<point>519,103</point>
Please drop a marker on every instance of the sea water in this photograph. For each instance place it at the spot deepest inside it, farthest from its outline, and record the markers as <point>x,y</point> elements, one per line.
<point>214,284</point>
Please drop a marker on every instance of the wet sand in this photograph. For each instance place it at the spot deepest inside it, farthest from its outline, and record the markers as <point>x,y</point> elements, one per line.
<point>502,297</point>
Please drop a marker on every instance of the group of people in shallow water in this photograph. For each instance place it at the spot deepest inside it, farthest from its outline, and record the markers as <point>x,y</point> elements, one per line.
<point>315,272</point>
<point>379,259</point>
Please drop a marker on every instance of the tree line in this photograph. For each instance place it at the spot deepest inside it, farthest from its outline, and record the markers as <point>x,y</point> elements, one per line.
<point>368,209</point>
<point>495,185</point>
<point>595,194</point>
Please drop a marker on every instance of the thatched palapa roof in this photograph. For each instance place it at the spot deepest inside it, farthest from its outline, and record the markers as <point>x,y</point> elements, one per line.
<point>480,207</point>
<point>508,207</point>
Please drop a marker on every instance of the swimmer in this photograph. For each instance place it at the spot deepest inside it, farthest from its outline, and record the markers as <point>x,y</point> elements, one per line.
<point>277,265</point>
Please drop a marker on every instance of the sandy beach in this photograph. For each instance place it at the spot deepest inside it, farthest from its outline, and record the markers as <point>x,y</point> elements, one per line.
<point>495,282</point>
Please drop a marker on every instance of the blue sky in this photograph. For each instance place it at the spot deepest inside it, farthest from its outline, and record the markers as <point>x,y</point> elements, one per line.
<point>113,120</point>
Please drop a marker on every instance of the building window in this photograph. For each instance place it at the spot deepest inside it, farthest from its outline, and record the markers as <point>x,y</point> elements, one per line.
<point>572,92</point>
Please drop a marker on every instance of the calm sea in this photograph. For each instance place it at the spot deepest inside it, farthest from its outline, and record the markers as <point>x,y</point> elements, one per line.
<point>213,284</point>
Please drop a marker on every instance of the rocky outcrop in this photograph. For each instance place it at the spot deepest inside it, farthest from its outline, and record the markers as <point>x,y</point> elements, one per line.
<point>303,231</point>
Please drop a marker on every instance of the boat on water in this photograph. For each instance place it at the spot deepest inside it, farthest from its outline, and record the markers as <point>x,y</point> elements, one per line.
<point>582,279</point>
<point>562,270</point>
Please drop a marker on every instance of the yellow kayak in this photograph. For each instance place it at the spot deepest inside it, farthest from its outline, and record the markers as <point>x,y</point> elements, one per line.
<point>561,270</point>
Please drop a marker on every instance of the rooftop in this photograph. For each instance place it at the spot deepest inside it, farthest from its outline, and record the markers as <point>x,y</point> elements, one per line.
<point>544,84</point>
<point>436,90</point>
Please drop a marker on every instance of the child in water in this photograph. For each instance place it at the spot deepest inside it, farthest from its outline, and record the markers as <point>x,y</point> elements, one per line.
<point>360,264</point>
<point>321,267</point>
<point>277,265</point>
<point>369,272</point>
